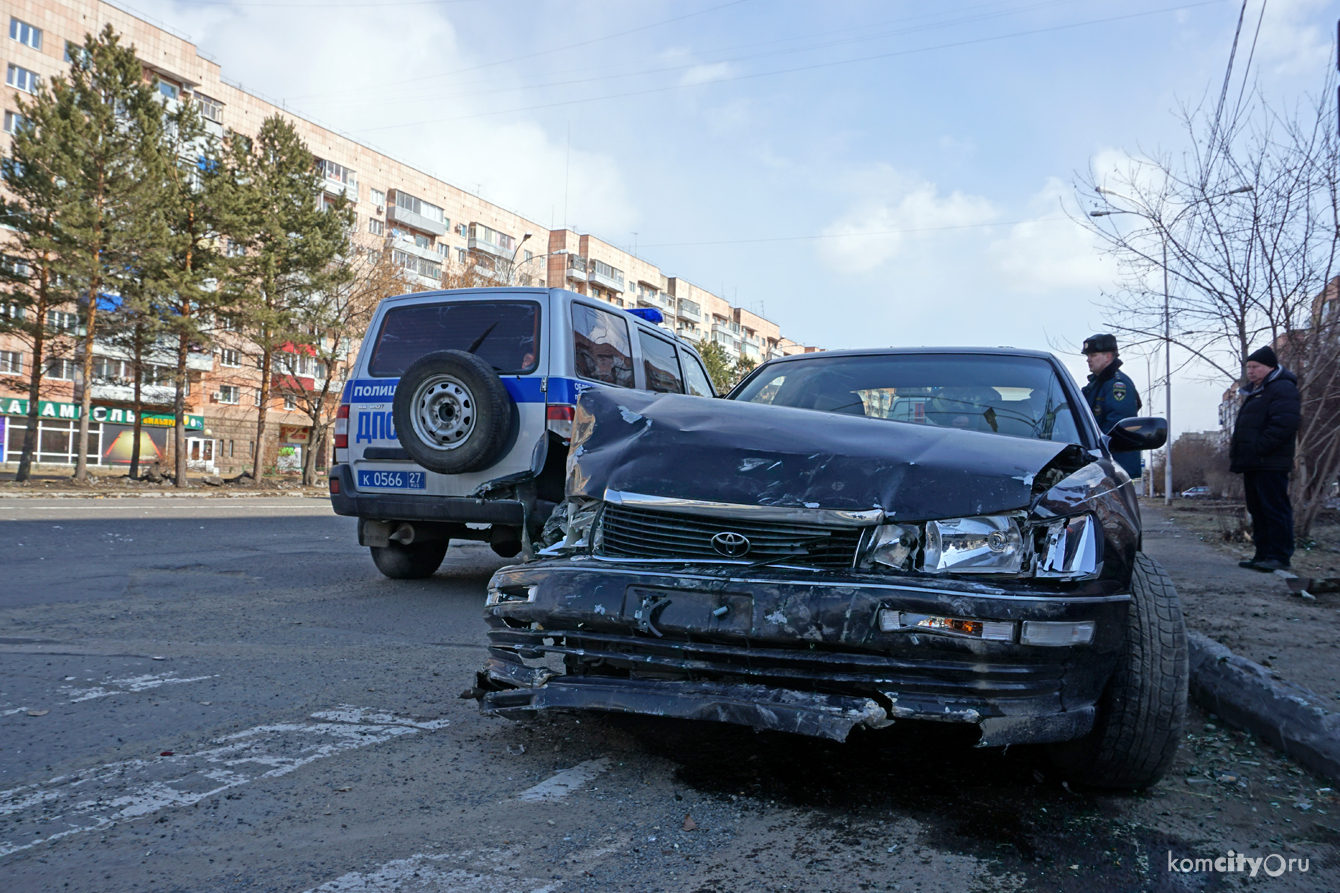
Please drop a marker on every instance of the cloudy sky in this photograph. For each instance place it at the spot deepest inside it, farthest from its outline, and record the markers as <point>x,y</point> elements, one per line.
<point>865,173</point>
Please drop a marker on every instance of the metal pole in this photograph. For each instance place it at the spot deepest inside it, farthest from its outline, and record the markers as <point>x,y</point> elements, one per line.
<point>1167,343</point>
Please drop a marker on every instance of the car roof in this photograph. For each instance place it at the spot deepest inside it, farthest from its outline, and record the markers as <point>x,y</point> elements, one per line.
<point>537,292</point>
<point>910,351</point>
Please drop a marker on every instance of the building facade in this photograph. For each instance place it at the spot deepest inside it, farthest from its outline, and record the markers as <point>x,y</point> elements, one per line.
<point>437,234</point>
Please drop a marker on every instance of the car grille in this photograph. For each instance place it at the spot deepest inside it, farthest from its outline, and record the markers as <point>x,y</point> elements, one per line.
<point>642,533</point>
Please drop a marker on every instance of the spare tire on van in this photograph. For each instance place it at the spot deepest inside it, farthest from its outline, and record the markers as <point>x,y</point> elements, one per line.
<point>452,413</point>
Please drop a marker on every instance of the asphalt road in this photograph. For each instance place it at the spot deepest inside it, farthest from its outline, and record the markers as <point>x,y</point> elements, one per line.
<point>218,695</point>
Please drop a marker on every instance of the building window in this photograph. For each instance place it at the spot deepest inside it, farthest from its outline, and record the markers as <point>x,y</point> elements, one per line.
<point>169,89</point>
<point>417,265</point>
<point>61,370</point>
<point>530,255</point>
<point>59,321</point>
<point>481,233</point>
<point>460,255</point>
<point>11,362</point>
<point>290,404</point>
<point>460,230</point>
<point>25,34</point>
<point>338,173</point>
<point>379,198</point>
<point>443,249</point>
<point>376,227</point>
<point>227,323</point>
<point>423,241</point>
<point>418,206</point>
<point>13,121</point>
<point>257,397</point>
<point>21,79</point>
<point>229,357</point>
<point>210,109</point>
<point>230,394</point>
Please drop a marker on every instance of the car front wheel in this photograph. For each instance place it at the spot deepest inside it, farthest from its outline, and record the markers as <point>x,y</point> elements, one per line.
<point>412,562</point>
<point>1142,710</point>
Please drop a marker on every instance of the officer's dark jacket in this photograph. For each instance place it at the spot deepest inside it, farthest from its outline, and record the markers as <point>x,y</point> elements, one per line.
<point>1111,395</point>
<point>1267,425</point>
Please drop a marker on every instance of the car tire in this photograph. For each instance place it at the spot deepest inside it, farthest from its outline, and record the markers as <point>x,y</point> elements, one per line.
<point>1142,710</point>
<point>452,413</point>
<point>413,562</point>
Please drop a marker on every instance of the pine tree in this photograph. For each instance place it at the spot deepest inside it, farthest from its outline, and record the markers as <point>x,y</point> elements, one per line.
<point>104,114</point>
<point>290,247</point>
<point>30,277</point>
<point>186,163</point>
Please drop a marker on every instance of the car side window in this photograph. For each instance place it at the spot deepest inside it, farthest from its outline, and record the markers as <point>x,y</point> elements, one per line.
<point>660,365</point>
<point>695,377</point>
<point>601,349</point>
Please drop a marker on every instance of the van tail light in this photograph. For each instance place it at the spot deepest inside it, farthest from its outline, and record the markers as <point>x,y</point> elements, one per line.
<point>342,427</point>
<point>334,486</point>
<point>558,419</point>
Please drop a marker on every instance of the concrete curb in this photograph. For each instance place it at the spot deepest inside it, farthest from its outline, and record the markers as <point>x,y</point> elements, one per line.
<point>1243,694</point>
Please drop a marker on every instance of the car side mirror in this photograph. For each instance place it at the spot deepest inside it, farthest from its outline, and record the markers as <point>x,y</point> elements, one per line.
<point>1136,434</point>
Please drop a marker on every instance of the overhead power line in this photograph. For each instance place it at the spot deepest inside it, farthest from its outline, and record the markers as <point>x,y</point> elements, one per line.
<point>813,67</point>
<point>879,232</point>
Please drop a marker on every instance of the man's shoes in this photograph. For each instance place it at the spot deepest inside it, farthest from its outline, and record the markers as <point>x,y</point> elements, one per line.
<point>1248,563</point>
<point>1269,564</point>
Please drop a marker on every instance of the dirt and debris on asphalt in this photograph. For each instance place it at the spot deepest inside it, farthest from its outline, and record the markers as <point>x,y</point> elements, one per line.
<point>267,645</point>
<point>1253,614</point>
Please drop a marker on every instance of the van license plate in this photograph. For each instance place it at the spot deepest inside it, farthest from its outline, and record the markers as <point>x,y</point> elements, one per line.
<point>392,480</point>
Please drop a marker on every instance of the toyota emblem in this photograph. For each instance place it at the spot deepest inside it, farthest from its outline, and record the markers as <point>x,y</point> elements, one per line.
<point>732,545</point>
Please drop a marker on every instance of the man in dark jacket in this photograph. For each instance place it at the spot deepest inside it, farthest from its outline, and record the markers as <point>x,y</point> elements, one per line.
<point>1262,452</point>
<point>1110,393</point>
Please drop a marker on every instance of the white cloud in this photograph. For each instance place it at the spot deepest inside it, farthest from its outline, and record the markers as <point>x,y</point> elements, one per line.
<point>878,228</point>
<point>1295,36</point>
<point>1052,251</point>
<point>705,74</point>
<point>428,94</point>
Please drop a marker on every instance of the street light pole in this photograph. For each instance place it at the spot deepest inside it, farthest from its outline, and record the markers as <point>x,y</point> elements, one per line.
<point>1167,311</point>
<point>1167,358</point>
<point>511,264</point>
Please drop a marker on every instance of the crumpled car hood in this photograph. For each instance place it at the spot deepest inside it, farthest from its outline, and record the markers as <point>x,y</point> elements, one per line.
<point>672,445</point>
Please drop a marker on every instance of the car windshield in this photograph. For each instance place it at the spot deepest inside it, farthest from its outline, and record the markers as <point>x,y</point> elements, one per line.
<point>503,333</point>
<point>1017,396</point>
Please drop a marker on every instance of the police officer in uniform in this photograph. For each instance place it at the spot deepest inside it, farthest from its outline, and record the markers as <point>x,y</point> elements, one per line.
<point>1110,393</point>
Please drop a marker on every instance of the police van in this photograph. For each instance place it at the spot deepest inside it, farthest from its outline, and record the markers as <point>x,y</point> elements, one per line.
<point>456,418</point>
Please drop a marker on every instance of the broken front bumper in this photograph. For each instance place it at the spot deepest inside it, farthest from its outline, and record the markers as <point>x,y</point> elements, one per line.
<point>789,650</point>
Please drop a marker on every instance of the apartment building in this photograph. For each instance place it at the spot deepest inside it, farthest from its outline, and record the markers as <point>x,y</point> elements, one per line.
<point>437,232</point>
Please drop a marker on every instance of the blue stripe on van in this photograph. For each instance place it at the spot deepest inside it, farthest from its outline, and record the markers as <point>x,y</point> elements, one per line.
<point>523,390</point>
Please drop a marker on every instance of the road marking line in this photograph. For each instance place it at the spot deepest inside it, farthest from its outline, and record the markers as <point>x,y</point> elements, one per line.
<point>426,873</point>
<point>565,782</point>
<point>129,684</point>
<point>97,798</point>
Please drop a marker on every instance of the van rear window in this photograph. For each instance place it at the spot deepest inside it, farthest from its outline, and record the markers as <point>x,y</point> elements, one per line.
<point>506,334</point>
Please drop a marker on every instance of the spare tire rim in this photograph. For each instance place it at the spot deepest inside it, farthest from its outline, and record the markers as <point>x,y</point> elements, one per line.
<point>443,412</point>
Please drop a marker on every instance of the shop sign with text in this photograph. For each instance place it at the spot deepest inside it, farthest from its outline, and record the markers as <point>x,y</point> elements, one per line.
<point>50,409</point>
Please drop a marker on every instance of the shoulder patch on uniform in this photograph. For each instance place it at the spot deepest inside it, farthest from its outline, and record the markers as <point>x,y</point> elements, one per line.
<point>1119,391</point>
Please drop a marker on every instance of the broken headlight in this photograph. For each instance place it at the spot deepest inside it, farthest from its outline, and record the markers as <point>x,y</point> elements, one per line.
<point>989,544</point>
<point>1069,548</point>
<point>891,545</point>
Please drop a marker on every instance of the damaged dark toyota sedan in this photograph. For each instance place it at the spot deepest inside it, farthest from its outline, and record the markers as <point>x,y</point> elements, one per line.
<point>853,539</point>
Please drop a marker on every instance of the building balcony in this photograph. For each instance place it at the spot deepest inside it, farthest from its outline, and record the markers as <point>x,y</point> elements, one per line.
<point>397,214</point>
<point>338,187</point>
<point>150,394</point>
<point>200,362</point>
<point>408,245</point>
<point>604,281</point>
<point>485,247</point>
<point>577,268</point>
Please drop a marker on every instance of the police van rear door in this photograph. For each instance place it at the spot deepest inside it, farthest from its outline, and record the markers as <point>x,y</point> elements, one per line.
<point>505,327</point>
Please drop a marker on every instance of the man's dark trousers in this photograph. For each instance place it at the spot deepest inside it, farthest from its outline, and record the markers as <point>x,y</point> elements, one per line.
<point>1272,515</point>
